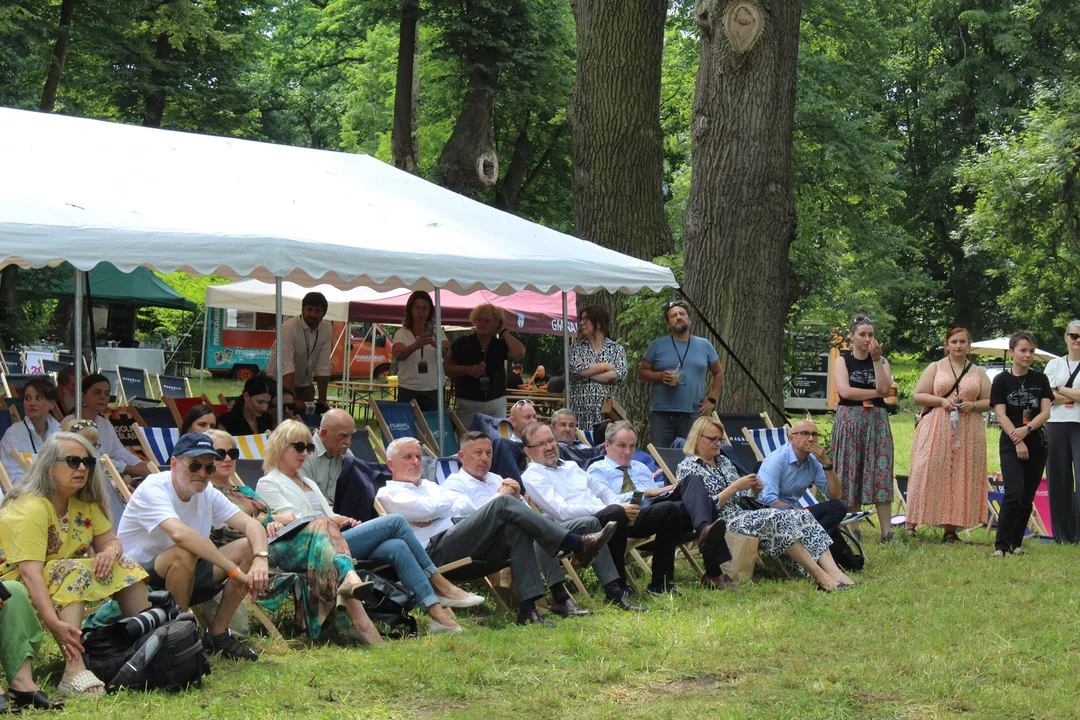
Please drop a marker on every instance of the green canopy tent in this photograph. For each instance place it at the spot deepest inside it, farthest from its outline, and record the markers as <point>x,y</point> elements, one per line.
<point>109,286</point>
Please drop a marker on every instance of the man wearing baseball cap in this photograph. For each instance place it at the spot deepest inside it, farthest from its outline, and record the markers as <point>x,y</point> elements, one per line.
<point>166,527</point>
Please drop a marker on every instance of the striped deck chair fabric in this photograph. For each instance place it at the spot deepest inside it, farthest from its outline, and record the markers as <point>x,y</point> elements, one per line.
<point>251,447</point>
<point>767,440</point>
<point>161,442</point>
<point>446,467</point>
<point>808,499</point>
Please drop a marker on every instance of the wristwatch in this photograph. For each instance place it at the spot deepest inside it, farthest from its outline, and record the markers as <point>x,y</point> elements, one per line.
<point>712,400</point>
<point>827,468</point>
<point>263,554</point>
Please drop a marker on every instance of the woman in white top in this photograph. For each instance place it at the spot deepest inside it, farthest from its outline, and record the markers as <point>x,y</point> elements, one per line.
<point>414,350</point>
<point>1063,438</point>
<point>95,403</point>
<point>387,539</point>
<point>39,396</point>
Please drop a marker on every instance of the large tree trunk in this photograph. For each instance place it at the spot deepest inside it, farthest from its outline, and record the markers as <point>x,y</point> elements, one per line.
<point>406,91</point>
<point>740,216</point>
<point>60,51</point>
<point>468,163</point>
<point>618,145</point>
<point>154,99</point>
<point>508,192</point>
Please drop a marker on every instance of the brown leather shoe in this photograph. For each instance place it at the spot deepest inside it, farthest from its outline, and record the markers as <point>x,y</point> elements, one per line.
<point>719,582</point>
<point>533,618</point>
<point>711,534</point>
<point>569,609</point>
<point>593,543</point>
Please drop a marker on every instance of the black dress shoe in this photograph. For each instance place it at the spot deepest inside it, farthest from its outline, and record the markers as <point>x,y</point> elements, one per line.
<point>711,534</point>
<point>593,543</point>
<point>623,604</point>
<point>569,609</point>
<point>532,618</point>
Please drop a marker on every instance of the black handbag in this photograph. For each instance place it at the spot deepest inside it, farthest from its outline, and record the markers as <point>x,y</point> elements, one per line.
<point>389,606</point>
<point>750,503</point>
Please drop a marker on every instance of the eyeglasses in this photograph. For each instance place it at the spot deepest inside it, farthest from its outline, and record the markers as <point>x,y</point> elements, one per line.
<point>805,433</point>
<point>301,446</point>
<point>523,403</point>
<point>195,466</point>
<point>542,443</point>
<point>1073,336</point>
<point>74,461</point>
<point>231,453</point>
<point>715,439</point>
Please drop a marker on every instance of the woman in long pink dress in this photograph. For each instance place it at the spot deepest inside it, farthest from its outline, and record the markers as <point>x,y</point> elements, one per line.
<point>948,455</point>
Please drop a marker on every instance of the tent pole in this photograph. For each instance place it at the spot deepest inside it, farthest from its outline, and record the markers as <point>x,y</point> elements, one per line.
<point>205,330</point>
<point>565,353</point>
<point>79,275</point>
<point>439,367</point>
<point>347,365</point>
<point>277,339</point>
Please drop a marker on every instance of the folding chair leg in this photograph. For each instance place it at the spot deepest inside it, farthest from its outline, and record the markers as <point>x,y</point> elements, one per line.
<point>568,568</point>
<point>499,600</point>
<point>632,582</point>
<point>690,559</point>
<point>265,621</point>
<point>640,561</point>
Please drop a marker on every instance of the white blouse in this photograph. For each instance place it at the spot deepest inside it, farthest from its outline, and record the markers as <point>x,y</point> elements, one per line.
<point>24,438</point>
<point>1057,372</point>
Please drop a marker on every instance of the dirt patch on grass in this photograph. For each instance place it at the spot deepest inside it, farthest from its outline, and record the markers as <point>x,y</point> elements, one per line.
<point>699,683</point>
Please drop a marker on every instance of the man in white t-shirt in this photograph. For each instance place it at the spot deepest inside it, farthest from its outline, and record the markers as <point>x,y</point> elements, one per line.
<point>166,527</point>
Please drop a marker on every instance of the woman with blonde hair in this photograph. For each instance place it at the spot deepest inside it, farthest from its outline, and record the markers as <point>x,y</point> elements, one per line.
<point>477,363</point>
<point>948,454</point>
<point>48,525</point>
<point>387,539</point>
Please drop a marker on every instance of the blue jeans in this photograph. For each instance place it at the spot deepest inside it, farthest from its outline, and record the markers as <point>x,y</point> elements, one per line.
<point>665,426</point>
<point>390,540</point>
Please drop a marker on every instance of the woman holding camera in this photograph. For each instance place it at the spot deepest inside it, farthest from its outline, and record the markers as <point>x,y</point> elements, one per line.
<point>414,350</point>
<point>477,363</point>
<point>48,526</point>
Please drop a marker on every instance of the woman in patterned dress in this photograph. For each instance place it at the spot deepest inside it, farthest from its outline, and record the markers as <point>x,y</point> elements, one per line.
<point>862,443</point>
<point>948,464</point>
<point>597,366</point>
<point>48,524</point>
<point>793,535</point>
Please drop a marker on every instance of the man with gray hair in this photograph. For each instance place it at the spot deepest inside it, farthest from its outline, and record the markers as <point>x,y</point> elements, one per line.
<point>332,443</point>
<point>500,529</point>
<point>564,426</point>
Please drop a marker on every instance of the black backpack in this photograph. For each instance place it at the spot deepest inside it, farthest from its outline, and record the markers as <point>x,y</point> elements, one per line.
<point>389,606</point>
<point>169,657</point>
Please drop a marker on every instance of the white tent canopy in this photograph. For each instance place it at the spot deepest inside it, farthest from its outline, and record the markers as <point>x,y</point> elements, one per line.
<point>999,347</point>
<point>256,296</point>
<point>87,191</point>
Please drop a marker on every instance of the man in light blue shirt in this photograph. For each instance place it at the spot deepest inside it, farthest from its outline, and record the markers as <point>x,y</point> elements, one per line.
<point>787,473</point>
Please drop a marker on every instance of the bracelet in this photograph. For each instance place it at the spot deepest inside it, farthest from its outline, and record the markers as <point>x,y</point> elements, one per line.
<point>603,368</point>
<point>235,573</point>
<point>113,548</point>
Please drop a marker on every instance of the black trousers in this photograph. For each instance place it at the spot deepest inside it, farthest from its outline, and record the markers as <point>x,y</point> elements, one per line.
<point>829,514</point>
<point>1062,471</point>
<point>661,519</point>
<point>1021,478</point>
<point>699,508</point>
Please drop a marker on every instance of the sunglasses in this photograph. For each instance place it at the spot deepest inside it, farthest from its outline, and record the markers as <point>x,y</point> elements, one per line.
<point>74,461</point>
<point>195,467</point>
<point>523,403</point>
<point>301,446</point>
<point>231,453</point>
<point>1073,336</point>
<point>676,303</point>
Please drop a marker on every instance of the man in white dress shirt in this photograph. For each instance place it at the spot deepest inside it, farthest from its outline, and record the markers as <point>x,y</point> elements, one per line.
<point>501,528</point>
<point>474,486</point>
<point>564,491</point>
<point>305,360</point>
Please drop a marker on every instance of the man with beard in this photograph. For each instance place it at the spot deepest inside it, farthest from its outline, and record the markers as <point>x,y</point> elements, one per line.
<point>305,360</point>
<point>676,366</point>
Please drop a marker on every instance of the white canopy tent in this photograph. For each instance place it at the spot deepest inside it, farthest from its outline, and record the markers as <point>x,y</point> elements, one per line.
<point>999,347</point>
<point>86,191</point>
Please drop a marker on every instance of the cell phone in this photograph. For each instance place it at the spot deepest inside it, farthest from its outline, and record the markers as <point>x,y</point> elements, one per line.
<point>5,594</point>
<point>637,497</point>
<point>429,328</point>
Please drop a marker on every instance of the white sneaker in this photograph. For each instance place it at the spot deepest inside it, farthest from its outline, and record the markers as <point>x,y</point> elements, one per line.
<point>437,628</point>
<point>471,601</point>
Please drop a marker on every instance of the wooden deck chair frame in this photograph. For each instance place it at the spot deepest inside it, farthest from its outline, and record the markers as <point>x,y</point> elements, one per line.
<point>122,398</point>
<point>613,410</point>
<point>418,425</point>
<point>5,480</point>
<point>457,423</point>
<point>459,563</point>
<point>377,445</point>
<point>25,460</point>
<point>4,407</point>
<point>161,390</point>
<point>566,561</point>
<point>425,429</point>
<point>582,439</point>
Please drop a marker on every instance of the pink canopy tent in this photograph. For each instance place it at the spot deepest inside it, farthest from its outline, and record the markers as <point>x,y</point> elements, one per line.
<point>526,311</point>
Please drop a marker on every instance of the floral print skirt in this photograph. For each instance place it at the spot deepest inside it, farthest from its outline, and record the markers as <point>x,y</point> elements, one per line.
<point>72,580</point>
<point>862,449</point>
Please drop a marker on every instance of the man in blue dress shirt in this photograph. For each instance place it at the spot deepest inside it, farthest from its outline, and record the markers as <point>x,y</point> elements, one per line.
<point>791,470</point>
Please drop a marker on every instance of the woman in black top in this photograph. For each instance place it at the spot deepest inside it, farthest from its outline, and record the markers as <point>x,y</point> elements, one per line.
<point>477,363</point>
<point>1021,400</point>
<point>251,415</point>
<point>862,443</point>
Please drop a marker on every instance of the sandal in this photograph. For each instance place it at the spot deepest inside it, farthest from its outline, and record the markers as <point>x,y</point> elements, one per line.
<point>886,538</point>
<point>7,709</point>
<point>910,531</point>
<point>18,699</point>
<point>951,537</point>
<point>79,685</point>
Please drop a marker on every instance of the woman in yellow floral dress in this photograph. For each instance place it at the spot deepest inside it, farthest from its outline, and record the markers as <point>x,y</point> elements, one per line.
<point>48,524</point>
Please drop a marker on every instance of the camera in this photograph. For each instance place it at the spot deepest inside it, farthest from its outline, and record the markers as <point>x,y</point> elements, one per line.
<point>162,609</point>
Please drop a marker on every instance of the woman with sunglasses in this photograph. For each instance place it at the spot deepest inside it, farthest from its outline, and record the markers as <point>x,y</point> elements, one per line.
<point>48,525</point>
<point>38,425</point>
<point>948,456</point>
<point>317,553</point>
<point>793,535</point>
<point>597,366</point>
<point>1063,438</point>
<point>387,539</point>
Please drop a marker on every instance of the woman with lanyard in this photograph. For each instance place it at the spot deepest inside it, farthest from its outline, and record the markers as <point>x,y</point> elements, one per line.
<point>948,454</point>
<point>414,350</point>
<point>1063,438</point>
<point>862,438</point>
<point>1021,400</point>
<point>38,397</point>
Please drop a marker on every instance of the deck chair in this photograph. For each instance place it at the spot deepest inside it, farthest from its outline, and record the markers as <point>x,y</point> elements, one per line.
<point>171,386</point>
<point>110,375</point>
<point>565,559</point>
<point>24,459</point>
<point>126,427</point>
<point>5,481</point>
<point>361,446</point>
<point>158,442</point>
<point>431,429</point>
<point>764,441</point>
<point>154,417</point>
<point>13,362</point>
<point>52,367</point>
<point>458,425</point>
<point>398,420</point>
<point>612,410</point>
<point>250,471</point>
<point>251,447</point>
<point>493,426</point>
<point>446,467</point>
<point>14,406</point>
<point>180,406</point>
<point>900,486</point>
<point>69,359</point>
<point>135,387</point>
<point>115,478</point>
<point>734,423</point>
<point>377,446</point>
<point>15,382</point>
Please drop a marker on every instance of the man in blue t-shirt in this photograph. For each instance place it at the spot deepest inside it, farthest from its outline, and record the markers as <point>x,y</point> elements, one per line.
<point>676,365</point>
